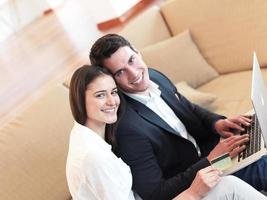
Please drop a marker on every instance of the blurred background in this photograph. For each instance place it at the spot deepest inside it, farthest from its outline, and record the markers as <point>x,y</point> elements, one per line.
<point>43,41</point>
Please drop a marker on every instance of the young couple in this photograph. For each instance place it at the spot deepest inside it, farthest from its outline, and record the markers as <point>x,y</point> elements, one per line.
<point>166,140</point>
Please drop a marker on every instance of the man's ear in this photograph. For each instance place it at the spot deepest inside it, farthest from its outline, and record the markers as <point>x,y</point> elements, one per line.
<point>135,49</point>
<point>138,52</point>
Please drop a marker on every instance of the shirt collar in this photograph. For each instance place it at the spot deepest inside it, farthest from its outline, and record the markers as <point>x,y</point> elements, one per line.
<point>79,129</point>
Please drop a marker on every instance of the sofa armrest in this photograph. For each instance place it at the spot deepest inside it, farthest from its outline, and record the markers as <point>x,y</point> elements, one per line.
<point>33,149</point>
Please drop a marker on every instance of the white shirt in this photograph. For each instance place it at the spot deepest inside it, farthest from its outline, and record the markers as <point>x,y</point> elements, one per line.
<point>93,171</point>
<point>161,108</point>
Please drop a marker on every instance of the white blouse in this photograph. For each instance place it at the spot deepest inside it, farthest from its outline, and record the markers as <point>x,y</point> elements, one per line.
<point>93,171</point>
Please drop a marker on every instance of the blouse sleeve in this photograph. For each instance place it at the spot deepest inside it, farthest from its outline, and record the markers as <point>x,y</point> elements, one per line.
<point>107,179</point>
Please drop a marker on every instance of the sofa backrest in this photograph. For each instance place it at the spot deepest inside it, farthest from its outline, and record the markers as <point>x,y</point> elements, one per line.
<point>33,150</point>
<point>226,31</point>
<point>148,28</point>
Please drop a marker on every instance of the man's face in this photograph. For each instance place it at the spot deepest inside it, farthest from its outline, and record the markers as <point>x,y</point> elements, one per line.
<point>129,70</point>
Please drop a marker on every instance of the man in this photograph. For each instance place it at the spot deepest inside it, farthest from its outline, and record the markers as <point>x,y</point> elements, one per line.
<point>162,136</point>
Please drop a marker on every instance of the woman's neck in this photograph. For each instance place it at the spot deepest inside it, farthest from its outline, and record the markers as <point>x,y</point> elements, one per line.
<point>97,128</point>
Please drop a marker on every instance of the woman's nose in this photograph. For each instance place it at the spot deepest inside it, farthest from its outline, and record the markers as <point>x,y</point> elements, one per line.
<point>110,100</point>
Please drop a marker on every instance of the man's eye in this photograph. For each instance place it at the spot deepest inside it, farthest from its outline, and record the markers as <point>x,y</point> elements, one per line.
<point>131,61</point>
<point>119,73</point>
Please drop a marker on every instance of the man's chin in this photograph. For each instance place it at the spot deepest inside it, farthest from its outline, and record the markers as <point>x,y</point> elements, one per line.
<point>141,90</point>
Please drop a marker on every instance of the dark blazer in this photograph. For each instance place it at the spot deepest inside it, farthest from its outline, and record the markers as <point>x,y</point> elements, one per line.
<point>162,163</point>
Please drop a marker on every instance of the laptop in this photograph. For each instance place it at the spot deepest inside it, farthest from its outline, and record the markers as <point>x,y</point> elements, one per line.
<point>256,147</point>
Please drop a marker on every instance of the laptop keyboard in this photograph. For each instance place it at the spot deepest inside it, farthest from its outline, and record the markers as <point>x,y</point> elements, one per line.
<point>254,143</point>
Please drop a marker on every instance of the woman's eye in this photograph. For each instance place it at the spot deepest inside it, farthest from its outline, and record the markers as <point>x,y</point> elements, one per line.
<point>115,92</point>
<point>100,95</point>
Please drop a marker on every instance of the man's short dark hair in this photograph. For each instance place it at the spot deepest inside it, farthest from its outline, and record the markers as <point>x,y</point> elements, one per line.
<point>105,46</point>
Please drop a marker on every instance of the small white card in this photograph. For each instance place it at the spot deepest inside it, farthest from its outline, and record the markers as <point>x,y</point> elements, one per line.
<point>222,162</point>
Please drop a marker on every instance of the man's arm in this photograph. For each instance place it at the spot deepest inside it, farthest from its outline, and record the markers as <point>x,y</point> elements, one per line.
<point>136,150</point>
<point>206,117</point>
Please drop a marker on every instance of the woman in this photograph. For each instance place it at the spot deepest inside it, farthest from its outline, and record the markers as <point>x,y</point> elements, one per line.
<point>94,171</point>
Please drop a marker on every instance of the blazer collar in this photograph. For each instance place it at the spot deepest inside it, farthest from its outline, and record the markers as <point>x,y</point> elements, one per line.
<point>148,114</point>
<point>175,104</point>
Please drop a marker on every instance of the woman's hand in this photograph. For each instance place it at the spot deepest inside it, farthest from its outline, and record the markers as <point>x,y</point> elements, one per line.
<point>204,181</point>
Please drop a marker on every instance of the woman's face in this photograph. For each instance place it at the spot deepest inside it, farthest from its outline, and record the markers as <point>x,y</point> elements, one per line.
<point>102,101</point>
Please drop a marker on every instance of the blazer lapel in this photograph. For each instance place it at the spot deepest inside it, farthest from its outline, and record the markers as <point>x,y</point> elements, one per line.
<point>149,115</point>
<point>172,100</point>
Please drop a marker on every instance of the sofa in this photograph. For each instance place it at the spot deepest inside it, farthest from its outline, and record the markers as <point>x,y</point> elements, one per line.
<point>205,47</point>
<point>225,33</point>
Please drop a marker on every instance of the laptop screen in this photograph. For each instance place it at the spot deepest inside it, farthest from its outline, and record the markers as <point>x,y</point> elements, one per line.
<point>259,96</point>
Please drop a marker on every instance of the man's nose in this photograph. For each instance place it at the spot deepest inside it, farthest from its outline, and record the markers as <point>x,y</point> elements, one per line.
<point>132,72</point>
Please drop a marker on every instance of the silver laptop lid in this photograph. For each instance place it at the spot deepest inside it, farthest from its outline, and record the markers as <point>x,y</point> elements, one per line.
<point>259,96</point>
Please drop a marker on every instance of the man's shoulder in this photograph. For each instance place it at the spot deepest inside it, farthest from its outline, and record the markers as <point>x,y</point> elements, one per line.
<point>130,114</point>
<point>154,74</point>
<point>160,79</point>
<point>131,120</point>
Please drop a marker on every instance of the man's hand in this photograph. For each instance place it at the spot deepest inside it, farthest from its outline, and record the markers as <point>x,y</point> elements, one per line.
<point>224,126</point>
<point>232,145</point>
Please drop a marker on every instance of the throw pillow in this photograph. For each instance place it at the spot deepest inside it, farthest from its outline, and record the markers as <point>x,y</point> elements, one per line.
<point>200,98</point>
<point>179,58</point>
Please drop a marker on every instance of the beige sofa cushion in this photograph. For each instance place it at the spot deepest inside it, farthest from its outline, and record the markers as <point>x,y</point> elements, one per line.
<point>146,29</point>
<point>232,91</point>
<point>226,32</point>
<point>179,59</point>
<point>200,98</point>
<point>33,150</point>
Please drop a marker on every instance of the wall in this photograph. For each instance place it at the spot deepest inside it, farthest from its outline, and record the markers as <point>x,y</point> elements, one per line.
<point>15,14</point>
<point>112,8</point>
